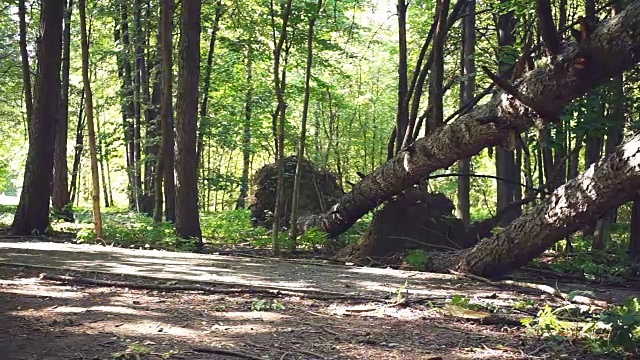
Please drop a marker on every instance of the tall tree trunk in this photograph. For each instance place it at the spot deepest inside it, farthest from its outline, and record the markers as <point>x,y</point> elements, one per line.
<point>138,104</point>
<point>436,77</point>
<point>505,160</point>
<point>60,200</point>
<point>95,181</point>
<point>609,183</point>
<point>78,148</point>
<point>402,117</point>
<point>278,83</point>
<point>150,99</point>
<point>467,93</point>
<point>128,105</point>
<point>101,158</point>
<point>187,217</point>
<point>610,50</point>
<point>32,214</point>
<point>166,51</point>
<point>293,235</point>
<point>246,133</point>
<point>169,172</point>
<point>26,69</point>
<point>207,84</point>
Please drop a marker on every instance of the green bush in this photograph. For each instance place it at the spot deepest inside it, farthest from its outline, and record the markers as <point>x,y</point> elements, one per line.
<point>232,227</point>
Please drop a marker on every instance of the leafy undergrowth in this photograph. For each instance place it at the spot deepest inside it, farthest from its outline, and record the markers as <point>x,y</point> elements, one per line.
<point>613,331</point>
<point>613,264</point>
<point>220,230</point>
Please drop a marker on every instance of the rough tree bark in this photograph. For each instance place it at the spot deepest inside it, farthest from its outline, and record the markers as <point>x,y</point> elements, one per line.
<point>610,50</point>
<point>603,187</point>
<point>32,214</point>
<point>187,218</point>
<point>60,198</point>
<point>26,69</point>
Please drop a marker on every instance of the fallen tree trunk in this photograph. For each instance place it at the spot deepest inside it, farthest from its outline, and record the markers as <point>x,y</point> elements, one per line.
<point>604,186</point>
<point>613,48</point>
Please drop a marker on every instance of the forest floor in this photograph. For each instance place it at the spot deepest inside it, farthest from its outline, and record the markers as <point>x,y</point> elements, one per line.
<point>45,319</point>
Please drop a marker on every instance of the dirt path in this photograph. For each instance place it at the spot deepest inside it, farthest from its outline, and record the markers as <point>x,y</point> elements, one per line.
<point>46,320</point>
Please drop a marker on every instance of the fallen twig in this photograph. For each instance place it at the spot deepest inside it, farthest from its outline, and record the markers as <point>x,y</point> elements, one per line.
<point>212,350</point>
<point>581,299</point>
<point>316,295</point>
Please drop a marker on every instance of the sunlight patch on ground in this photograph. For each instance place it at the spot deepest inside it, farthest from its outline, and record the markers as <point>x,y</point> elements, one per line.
<point>145,327</point>
<point>400,273</point>
<point>254,315</point>
<point>21,281</point>
<point>43,293</point>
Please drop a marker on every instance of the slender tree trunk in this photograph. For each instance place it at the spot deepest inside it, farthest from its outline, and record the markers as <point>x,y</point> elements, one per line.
<point>303,130</point>
<point>207,84</point>
<point>128,105</point>
<point>281,111</point>
<point>138,104</point>
<point>436,77</point>
<point>60,200</point>
<point>169,173</point>
<point>166,128</point>
<point>505,160</point>
<point>95,181</point>
<point>246,134</point>
<point>101,157</point>
<point>467,93</point>
<point>78,148</point>
<point>402,117</point>
<point>187,218</point>
<point>26,69</point>
<point>32,214</point>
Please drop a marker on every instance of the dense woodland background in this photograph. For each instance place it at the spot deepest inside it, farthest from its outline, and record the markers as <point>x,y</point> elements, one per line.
<point>185,101</point>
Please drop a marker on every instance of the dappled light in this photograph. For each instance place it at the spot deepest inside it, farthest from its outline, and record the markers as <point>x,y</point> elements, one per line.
<point>319,179</point>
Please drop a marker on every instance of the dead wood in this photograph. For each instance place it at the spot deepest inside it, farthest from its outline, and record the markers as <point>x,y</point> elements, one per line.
<point>540,287</point>
<point>315,294</point>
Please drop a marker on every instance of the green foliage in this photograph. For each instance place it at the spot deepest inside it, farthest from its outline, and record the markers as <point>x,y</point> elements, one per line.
<point>134,351</point>
<point>615,330</point>
<point>592,265</point>
<point>313,237</point>
<point>462,301</point>
<point>417,259</point>
<point>624,323</point>
<point>547,324</point>
<point>232,227</point>
<point>267,305</point>
<point>129,229</point>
